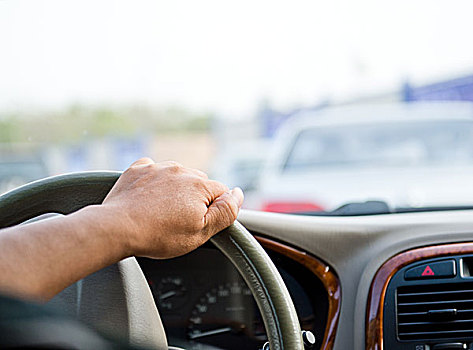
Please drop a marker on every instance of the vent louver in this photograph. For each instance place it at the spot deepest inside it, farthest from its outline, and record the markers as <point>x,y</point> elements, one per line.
<point>440,311</point>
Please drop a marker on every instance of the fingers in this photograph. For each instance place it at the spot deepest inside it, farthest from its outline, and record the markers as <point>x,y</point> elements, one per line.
<point>142,161</point>
<point>214,190</point>
<point>238,194</point>
<point>223,211</point>
<point>223,204</point>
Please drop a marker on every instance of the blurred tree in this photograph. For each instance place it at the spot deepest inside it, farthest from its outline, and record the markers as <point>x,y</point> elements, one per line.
<point>78,123</point>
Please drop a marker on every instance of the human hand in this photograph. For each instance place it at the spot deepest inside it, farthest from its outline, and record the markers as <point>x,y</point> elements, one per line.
<point>165,210</point>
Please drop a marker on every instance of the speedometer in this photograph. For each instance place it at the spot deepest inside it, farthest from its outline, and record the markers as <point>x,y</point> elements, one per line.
<point>227,316</point>
<point>170,293</point>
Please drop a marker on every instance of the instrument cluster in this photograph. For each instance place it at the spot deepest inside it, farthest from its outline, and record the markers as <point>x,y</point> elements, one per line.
<point>204,304</point>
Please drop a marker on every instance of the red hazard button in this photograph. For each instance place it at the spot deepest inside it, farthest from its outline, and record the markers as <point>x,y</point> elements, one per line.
<point>428,271</point>
<point>438,269</point>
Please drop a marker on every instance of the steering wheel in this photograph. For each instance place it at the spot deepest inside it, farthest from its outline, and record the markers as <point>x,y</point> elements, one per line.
<point>65,194</point>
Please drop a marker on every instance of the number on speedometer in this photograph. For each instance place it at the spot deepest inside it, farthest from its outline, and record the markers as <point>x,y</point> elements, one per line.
<point>227,316</point>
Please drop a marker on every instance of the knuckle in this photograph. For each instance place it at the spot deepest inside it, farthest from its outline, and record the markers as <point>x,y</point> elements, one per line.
<point>217,187</point>
<point>203,174</point>
<point>198,184</point>
<point>222,187</point>
<point>173,164</point>
<point>169,166</point>
<point>174,168</point>
<point>148,169</point>
<point>144,160</point>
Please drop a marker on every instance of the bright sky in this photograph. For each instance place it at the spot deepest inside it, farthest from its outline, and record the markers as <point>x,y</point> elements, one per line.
<point>225,56</point>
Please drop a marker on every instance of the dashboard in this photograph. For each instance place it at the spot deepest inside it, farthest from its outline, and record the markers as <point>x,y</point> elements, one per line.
<point>346,275</point>
<point>205,304</point>
<point>370,256</point>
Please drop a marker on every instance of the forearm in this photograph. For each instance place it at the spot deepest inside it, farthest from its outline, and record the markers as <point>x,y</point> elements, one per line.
<point>154,210</point>
<point>38,260</point>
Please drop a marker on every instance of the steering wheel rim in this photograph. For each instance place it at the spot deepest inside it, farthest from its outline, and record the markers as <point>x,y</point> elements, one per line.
<point>65,194</point>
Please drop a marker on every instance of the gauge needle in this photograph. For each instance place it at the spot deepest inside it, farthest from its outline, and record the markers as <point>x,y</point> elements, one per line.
<point>208,333</point>
<point>166,295</point>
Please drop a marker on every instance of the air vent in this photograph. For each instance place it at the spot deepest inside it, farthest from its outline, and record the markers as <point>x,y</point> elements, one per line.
<point>439,311</point>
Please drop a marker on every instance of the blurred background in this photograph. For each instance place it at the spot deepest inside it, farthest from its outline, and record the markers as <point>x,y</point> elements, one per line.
<point>305,105</point>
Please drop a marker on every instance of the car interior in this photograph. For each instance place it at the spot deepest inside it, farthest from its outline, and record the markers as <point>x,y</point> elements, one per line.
<point>87,87</point>
<point>396,281</point>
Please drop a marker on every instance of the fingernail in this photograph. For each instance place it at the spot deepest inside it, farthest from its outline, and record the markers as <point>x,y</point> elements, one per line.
<point>238,194</point>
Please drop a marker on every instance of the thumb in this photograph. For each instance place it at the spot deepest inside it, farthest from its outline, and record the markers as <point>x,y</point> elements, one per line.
<point>223,211</point>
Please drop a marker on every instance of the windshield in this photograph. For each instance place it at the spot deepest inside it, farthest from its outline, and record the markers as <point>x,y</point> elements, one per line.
<point>383,145</point>
<point>308,106</point>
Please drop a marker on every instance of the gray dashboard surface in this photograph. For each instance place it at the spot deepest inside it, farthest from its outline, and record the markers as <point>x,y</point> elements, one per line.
<point>355,247</point>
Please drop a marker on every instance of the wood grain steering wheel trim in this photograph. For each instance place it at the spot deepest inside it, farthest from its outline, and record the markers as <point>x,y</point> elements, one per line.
<point>328,278</point>
<point>377,294</point>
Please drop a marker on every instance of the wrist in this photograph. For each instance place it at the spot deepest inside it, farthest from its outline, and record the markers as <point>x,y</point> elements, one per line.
<point>109,226</point>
